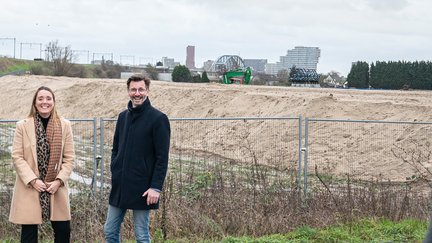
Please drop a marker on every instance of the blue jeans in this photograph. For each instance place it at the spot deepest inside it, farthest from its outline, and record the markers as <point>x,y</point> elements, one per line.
<point>115,218</point>
<point>428,238</point>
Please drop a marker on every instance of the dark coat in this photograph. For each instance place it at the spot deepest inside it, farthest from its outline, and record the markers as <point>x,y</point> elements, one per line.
<point>139,159</point>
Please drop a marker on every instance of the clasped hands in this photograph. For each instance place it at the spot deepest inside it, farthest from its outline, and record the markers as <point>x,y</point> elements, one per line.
<point>50,187</point>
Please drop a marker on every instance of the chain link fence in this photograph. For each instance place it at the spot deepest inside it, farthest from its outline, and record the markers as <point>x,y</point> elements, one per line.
<point>238,161</point>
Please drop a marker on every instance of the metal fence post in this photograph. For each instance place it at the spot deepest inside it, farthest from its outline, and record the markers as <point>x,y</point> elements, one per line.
<point>299,152</point>
<point>305,153</point>
<point>95,164</point>
<point>102,155</point>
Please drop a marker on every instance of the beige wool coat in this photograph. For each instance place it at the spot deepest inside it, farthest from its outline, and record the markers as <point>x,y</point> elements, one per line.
<point>25,206</point>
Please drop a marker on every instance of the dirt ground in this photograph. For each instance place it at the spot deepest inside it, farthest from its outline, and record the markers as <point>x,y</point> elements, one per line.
<point>88,98</point>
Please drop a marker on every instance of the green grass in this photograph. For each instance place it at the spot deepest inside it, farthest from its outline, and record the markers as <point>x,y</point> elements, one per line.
<point>22,66</point>
<point>8,65</point>
<point>367,230</point>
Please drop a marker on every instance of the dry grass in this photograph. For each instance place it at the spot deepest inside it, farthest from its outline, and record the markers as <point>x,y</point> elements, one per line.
<point>213,210</point>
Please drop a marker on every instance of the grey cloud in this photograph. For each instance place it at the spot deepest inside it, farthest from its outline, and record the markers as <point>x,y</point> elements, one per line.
<point>387,5</point>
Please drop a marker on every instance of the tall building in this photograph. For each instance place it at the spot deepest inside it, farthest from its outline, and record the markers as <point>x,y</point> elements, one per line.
<point>272,68</point>
<point>169,62</point>
<point>207,65</point>
<point>300,56</point>
<point>190,57</point>
<point>257,65</point>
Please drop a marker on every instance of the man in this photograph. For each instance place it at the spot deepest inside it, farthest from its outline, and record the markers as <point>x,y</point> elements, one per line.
<point>139,162</point>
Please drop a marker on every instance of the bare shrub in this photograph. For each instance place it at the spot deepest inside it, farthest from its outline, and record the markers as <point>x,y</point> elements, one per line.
<point>60,57</point>
<point>209,197</point>
<point>219,202</point>
<point>417,154</point>
<point>39,69</point>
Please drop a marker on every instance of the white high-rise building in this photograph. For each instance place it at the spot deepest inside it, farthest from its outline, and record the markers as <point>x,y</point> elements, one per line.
<point>272,68</point>
<point>300,56</point>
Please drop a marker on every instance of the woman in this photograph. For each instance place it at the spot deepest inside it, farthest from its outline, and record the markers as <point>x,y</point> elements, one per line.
<point>43,157</point>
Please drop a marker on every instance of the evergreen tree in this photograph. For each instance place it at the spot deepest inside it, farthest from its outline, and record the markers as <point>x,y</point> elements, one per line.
<point>373,80</point>
<point>204,77</point>
<point>401,75</point>
<point>181,74</point>
<point>358,76</point>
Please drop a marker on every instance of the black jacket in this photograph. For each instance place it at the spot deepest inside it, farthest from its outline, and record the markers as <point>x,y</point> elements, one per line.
<point>139,158</point>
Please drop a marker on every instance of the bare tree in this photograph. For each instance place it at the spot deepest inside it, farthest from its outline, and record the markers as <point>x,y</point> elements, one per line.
<point>61,58</point>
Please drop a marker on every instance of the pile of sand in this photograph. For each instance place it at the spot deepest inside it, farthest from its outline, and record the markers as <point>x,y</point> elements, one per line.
<point>87,98</point>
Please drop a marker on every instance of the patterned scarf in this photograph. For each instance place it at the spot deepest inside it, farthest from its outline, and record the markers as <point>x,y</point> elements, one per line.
<point>48,151</point>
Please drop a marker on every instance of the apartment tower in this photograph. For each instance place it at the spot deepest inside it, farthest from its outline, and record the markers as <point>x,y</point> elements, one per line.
<point>190,57</point>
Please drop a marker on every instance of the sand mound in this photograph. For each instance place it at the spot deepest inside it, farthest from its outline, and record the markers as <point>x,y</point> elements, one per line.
<point>86,98</point>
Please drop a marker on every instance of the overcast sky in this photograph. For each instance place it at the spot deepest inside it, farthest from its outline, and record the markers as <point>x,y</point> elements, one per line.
<point>344,30</point>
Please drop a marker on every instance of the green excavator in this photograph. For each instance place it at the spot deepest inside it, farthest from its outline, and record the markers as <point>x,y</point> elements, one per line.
<point>237,76</point>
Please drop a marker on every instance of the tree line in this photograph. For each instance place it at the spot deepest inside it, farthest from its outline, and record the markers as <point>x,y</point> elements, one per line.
<point>391,75</point>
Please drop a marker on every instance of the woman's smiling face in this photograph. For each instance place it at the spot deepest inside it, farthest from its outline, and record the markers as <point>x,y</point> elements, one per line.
<point>44,103</point>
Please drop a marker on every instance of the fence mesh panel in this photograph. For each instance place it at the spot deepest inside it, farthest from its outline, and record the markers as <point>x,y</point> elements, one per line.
<point>391,152</point>
<point>228,146</point>
<point>7,174</point>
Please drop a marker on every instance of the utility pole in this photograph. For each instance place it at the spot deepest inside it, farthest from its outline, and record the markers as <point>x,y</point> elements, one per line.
<point>31,44</point>
<point>14,44</point>
<point>149,60</point>
<point>109,53</point>
<point>133,59</point>
<point>84,51</point>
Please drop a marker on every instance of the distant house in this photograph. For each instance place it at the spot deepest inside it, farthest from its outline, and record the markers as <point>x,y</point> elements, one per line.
<point>334,80</point>
<point>330,81</point>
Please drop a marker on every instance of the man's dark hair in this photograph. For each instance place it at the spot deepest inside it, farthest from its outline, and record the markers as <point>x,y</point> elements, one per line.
<point>137,78</point>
